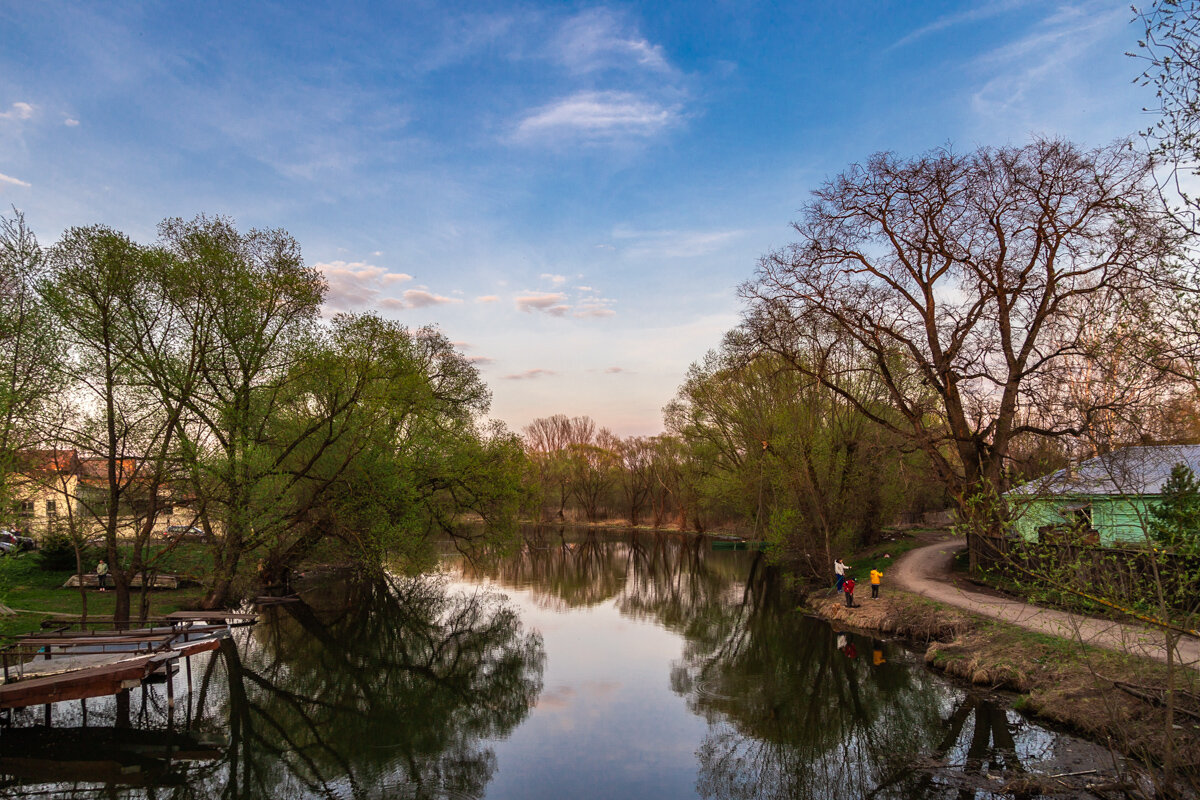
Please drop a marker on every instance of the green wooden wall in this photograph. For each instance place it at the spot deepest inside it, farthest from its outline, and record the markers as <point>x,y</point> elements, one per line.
<point>1118,518</point>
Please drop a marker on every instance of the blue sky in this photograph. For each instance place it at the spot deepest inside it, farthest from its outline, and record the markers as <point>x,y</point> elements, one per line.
<point>570,191</point>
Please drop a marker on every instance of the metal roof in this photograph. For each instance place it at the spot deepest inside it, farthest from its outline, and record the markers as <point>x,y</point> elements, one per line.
<point>1130,470</point>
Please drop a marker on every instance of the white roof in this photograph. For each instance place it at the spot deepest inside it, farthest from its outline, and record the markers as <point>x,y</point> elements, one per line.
<point>1130,470</point>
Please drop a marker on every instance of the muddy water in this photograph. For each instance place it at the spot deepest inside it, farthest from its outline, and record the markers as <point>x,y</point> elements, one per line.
<point>586,665</point>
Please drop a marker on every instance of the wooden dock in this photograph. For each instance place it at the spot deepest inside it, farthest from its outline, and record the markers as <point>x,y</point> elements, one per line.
<point>91,580</point>
<point>52,666</point>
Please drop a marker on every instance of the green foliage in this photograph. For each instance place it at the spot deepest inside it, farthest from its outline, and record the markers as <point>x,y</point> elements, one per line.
<point>57,552</point>
<point>1175,519</point>
<point>768,447</point>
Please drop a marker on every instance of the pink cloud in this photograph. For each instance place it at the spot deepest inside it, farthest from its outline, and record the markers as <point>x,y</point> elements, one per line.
<point>419,298</point>
<point>356,284</point>
<point>487,298</point>
<point>541,301</point>
<point>594,310</point>
<point>529,374</point>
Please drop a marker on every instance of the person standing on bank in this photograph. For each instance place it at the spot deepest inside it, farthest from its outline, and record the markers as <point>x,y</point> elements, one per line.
<point>839,573</point>
<point>848,588</point>
<point>876,576</point>
<point>102,574</point>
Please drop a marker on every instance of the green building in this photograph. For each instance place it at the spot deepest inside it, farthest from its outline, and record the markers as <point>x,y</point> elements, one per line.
<point>1105,500</point>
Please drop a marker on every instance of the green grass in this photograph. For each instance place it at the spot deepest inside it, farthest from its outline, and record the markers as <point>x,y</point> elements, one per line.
<point>862,563</point>
<point>40,594</point>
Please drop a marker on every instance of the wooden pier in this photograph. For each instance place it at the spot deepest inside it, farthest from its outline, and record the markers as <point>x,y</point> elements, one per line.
<point>53,666</point>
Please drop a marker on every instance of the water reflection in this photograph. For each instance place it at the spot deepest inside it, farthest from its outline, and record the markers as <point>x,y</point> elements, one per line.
<point>795,710</point>
<point>383,688</point>
<point>422,687</point>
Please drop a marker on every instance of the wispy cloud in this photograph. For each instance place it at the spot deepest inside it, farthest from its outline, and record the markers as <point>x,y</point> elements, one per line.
<point>488,298</point>
<point>614,370</point>
<point>17,111</point>
<point>1045,55</point>
<point>540,302</point>
<point>673,243</point>
<point>598,309</point>
<point>530,374</point>
<point>597,117</point>
<point>71,123</point>
<point>557,280</point>
<point>598,39</point>
<point>15,181</point>
<point>481,361</point>
<point>979,12</point>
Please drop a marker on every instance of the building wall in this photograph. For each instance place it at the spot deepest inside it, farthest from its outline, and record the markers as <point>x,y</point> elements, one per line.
<point>1118,519</point>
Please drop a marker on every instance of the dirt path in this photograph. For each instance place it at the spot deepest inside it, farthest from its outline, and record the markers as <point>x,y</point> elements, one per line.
<point>927,571</point>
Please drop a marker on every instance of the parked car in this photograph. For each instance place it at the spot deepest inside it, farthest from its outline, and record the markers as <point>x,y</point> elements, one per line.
<point>7,548</point>
<point>184,533</point>
<point>15,539</point>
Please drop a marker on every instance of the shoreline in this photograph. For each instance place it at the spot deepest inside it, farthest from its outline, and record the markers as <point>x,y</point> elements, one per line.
<point>1097,694</point>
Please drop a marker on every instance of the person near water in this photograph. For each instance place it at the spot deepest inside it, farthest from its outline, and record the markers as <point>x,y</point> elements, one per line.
<point>102,574</point>
<point>848,589</point>
<point>839,573</point>
<point>876,576</point>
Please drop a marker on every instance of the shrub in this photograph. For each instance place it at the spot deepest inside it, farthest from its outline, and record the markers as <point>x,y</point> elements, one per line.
<point>57,552</point>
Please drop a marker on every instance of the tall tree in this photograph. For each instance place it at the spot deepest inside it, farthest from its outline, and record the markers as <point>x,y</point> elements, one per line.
<point>96,278</point>
<point>970,283</point>
<point>255,304</point>
<point>29,345</point>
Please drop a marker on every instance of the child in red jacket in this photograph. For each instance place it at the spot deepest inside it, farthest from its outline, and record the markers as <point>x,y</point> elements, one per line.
<point>848,588</point>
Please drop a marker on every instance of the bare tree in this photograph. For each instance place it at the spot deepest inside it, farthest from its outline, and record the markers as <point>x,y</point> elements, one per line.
<point>549,442</point>
<point>1171,49</point>
<point>969,287</point>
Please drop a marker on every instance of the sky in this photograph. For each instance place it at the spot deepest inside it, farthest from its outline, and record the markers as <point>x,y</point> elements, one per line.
<point>571,192</point>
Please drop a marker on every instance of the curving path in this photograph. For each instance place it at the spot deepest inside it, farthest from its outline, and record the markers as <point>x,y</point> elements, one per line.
<point>927,571</point>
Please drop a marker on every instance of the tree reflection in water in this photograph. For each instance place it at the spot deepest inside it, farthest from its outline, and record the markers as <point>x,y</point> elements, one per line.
<point>791,712</point>
<point>401,688</point>
<point>383,688</point>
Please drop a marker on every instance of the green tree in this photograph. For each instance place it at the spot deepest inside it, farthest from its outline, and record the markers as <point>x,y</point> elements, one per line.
<point>787,457</point>
<point>1175,519</point>
<point>253,304</point>
<point>29,347</point>
<point>96,280</point>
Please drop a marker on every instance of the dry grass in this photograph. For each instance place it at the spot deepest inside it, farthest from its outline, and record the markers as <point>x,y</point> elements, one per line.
<point>1106,696</point>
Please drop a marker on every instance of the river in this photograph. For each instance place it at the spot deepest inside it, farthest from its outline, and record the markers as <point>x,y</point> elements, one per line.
<point>584,665</point>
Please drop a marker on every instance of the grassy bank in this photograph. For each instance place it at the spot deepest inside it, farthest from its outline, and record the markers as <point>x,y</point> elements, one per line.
<point>1103,695</point>
<point>38,594</point>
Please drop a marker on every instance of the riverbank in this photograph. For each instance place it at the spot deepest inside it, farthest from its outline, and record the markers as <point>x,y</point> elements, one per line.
<point>38,595</point>
<point>1106,696</point>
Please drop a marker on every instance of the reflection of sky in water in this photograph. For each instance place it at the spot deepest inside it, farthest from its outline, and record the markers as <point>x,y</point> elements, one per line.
<point>663,676</point>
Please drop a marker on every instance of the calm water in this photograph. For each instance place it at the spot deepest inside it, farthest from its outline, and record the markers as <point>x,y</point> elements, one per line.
<point>585,666</point>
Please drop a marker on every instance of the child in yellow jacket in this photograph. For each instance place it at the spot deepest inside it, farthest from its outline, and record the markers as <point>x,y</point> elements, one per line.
<point>876,575</point>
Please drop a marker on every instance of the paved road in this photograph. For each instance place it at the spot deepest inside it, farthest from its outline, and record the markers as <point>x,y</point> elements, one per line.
<point>926,571</point>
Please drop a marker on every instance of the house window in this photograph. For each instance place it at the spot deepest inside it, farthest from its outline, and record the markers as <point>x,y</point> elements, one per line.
<point>25,509</point>
<point>51,508</point>
<point>1080,517</point>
